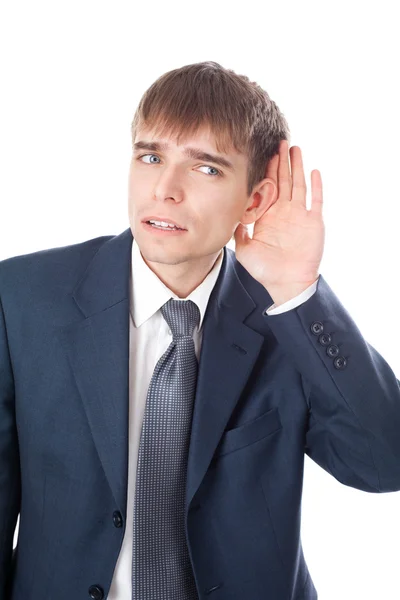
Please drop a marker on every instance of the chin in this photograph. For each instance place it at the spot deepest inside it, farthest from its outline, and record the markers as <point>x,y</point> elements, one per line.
<point>164,255</point>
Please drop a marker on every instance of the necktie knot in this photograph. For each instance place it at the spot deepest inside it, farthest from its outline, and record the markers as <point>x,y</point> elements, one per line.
<point>182,317</point>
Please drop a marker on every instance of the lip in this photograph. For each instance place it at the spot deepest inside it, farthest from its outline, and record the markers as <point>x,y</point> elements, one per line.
<point>166,220</point>
<point>166,232</point>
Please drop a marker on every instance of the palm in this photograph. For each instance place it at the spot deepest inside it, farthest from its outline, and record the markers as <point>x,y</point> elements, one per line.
<point>288,239</point>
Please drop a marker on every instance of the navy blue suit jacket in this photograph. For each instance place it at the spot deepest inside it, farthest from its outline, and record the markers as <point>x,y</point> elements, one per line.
<point>270,389</point>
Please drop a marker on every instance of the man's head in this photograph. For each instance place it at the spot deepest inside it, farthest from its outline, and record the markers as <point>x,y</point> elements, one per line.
<point>210,108</point>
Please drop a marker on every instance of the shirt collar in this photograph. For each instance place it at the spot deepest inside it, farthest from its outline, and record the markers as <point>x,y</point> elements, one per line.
<point>149,293</point>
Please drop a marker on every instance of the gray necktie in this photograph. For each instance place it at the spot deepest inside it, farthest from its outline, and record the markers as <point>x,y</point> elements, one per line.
<point>161,568</point>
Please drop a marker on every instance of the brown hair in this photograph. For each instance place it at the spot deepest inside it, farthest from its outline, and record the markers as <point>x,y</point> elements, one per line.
<point>238,112</point>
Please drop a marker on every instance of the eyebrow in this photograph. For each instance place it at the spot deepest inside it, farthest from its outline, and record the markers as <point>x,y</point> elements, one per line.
<point>196,153</point>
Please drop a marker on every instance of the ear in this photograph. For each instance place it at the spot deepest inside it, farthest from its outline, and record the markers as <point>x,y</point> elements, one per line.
<point>263,196</point>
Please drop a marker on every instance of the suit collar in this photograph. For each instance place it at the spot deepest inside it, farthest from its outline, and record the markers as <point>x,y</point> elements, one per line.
<point>106,279</point>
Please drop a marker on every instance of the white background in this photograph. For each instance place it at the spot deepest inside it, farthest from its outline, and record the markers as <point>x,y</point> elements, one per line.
<point>72,74</point>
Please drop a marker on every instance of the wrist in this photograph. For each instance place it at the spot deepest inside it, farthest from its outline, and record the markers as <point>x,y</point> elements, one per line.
<point>284,293</point>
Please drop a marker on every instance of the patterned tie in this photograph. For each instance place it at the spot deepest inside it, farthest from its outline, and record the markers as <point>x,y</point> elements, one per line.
<point>161,568</point>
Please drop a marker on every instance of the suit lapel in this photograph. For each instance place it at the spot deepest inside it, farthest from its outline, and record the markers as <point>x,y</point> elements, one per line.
<point>97,348</point>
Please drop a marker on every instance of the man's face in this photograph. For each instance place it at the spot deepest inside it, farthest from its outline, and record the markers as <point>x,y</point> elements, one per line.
<point>205,198</point>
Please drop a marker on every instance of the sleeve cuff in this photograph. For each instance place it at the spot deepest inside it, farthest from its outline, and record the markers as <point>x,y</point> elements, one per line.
<point>293,302</point>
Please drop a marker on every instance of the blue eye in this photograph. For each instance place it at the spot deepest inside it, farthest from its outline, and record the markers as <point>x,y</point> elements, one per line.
<point>217,174</point>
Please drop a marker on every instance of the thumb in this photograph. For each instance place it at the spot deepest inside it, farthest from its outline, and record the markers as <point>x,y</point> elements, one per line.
<point>241,234</point>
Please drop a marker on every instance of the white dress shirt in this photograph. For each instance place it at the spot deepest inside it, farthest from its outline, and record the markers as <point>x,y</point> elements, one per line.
<point>149,338</point>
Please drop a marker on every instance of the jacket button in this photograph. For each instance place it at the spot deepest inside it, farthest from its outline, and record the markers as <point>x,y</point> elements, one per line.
<point>317,327</point>
<point>117,518</point>
<point>332,350</point>
<point>324,339</point>
<point>340,362</point>
<point>96,592</point>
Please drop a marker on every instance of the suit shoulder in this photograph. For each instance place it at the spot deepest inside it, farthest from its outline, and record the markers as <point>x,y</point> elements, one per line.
<point>50,264</point>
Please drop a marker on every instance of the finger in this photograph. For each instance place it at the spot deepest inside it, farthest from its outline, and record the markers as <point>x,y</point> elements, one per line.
<point>316,192</point>
<point>299,189</point>
<point>284,177</point>
<point>271,171</point>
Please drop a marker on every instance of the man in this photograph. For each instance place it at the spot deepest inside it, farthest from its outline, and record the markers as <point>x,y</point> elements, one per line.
<point>158,391</point>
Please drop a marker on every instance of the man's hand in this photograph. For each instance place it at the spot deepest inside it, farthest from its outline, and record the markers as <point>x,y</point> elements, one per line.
<point>286,249</point>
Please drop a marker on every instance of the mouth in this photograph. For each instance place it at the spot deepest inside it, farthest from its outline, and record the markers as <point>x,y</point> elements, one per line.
<point>162,231</point>
<point>162,221</point>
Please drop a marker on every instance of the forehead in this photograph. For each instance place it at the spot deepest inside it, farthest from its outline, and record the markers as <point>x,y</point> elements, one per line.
<point>200,145</point>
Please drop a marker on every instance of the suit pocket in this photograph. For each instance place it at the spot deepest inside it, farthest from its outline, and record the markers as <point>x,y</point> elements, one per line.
<point>249,433</point>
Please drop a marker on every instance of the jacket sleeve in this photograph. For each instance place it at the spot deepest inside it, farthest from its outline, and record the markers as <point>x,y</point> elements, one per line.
<point>353,429</point>
<point>10,481</point>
